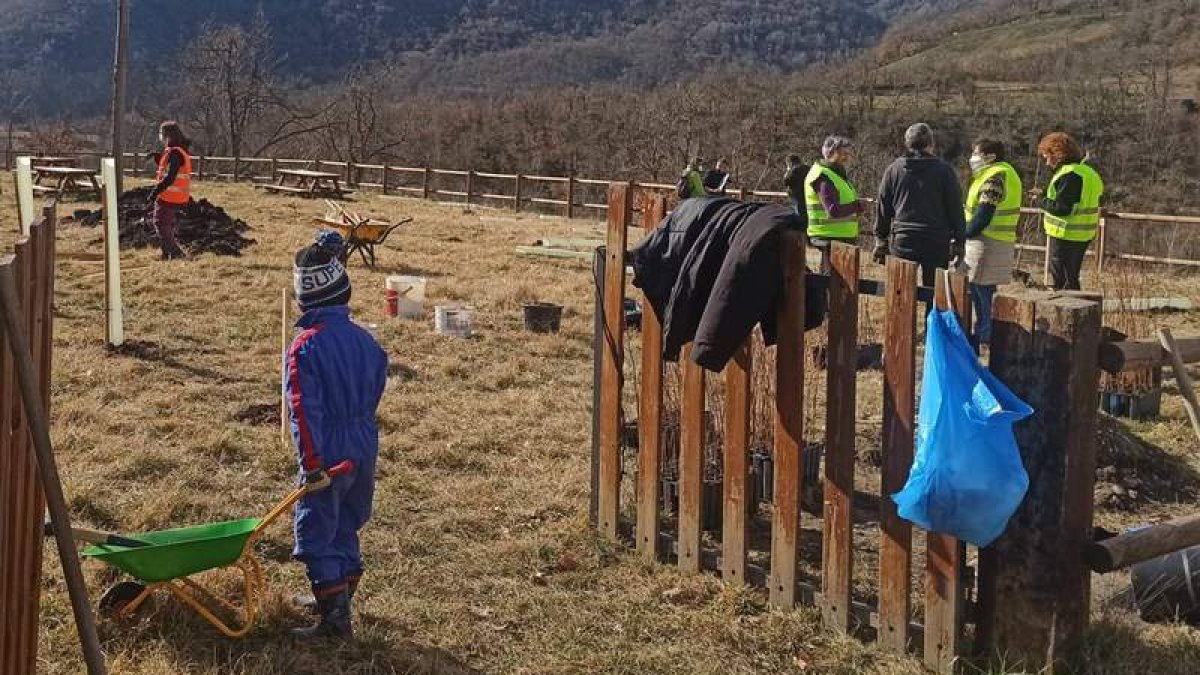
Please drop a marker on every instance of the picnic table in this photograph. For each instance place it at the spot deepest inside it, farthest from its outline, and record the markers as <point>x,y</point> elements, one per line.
<point>64,180</point>
<point>56,161</point>
<point>307,183</point>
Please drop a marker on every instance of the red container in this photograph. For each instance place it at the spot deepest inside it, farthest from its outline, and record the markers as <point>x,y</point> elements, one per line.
<point>393,302</point>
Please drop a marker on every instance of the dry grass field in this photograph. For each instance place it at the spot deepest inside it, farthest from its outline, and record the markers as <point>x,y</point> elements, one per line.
<point>479,555</point>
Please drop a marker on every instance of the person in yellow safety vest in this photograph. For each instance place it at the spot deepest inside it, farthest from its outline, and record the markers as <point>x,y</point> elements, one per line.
<point>992,211</point>
<point>831,202</point>
<point>691,182</point>
<point>1070,208</point>
<point>172,189</point>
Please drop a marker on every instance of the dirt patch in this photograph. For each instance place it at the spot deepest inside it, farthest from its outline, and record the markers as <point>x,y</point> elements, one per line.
<point>1131,472</point>
<point>260,414</point>
<point>138,349</point>
<point>202,227</point>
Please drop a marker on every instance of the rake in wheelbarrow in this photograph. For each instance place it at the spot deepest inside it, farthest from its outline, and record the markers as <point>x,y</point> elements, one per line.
<point>167,560</point>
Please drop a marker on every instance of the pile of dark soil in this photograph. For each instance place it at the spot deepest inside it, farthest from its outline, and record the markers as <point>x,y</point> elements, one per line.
<point>202,227</point>
<point>1131,473</point>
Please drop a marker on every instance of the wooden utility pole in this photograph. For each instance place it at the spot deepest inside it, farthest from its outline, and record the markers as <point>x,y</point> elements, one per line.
<point>118,105</point>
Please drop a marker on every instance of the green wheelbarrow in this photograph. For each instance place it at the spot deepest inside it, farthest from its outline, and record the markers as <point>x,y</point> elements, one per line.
<point>167,559</point>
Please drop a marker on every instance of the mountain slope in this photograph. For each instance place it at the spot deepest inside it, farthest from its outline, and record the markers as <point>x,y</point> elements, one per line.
<point>60,50</point>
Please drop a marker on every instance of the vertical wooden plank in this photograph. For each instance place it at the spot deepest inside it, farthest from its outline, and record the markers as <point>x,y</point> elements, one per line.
<point>943,559</point>
<point>470,184</point>
<point>517,192</point>
<point>736,509</point>
<point>611,375</point>
<point>383,179</point>
<point>8,485</point>
<point>650,415</point>
<point>691,462</point>
<point>19,586</point>
<point>895,550</point>
<point>1034,584</point>
<point>43,309</point>
<point>1100,239</point>
<point>837,562</point>
<point>425,184</point>
<point>789,426</point>
<point>571,196</point>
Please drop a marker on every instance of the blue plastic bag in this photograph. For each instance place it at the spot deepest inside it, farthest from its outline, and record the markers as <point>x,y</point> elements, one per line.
<point>967,479</point>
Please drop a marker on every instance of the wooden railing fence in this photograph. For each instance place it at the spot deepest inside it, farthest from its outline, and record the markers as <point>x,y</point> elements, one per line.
<point>1048,359</point>
<point>574,196</point>
<point>22,503</point>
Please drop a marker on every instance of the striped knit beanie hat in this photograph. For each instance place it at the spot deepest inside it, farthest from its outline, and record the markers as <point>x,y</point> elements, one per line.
<point>319,277</point>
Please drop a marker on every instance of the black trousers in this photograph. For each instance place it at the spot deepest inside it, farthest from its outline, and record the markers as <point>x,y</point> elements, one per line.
<point>930,253</point>
<point>1066,259</point>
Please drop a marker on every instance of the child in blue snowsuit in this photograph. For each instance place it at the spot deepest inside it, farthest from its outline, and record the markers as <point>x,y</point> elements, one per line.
<point>334,376</point>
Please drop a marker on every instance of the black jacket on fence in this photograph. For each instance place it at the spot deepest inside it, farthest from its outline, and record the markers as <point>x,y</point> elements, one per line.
<point>711,270</point>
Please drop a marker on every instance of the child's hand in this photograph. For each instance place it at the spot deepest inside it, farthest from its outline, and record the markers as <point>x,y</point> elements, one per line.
<point>316,480</point>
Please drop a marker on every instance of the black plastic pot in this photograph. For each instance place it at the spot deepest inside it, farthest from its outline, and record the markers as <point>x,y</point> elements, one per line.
<point>1168,588</point>
<point>543,317</point>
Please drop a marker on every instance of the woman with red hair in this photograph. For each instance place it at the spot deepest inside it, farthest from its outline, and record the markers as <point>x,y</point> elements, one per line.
<point>1070,208</point>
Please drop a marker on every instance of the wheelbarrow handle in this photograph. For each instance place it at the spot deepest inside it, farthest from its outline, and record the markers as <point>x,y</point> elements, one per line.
<point>97,537</point>
<point>319,480</point>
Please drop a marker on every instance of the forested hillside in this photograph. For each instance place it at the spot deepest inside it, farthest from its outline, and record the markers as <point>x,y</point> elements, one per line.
<point>59,51</point>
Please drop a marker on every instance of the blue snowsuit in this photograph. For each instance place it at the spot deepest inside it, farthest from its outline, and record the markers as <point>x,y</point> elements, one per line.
<point>334,375</point>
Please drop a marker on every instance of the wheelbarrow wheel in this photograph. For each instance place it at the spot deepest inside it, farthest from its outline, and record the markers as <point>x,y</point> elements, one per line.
<point>119,595</point>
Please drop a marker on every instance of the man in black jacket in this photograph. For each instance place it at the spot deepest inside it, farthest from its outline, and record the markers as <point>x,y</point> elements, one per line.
<point>920,208</point>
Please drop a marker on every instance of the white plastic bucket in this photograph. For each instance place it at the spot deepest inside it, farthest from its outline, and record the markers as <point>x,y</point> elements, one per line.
<point>410,302</point>
<point>452,320</point>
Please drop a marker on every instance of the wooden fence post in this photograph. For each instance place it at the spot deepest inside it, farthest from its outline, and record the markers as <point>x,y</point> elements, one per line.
<point>425,184</point>
<point>944,554</point>
<point>237,162</point>
<point>1101,230</point>
<point>197,160</point>
<point>274,169</point>
<point>599,274</point>
<point>383,179</point>
<point>789,426</point>
<point>619,203</point>
<point>736,512</point>
<point>837,552</point>
<point>691,462</point>
<point>470,184</point>
<point>517,196</point>
<point>650,413</point>
<point>571,196</point>
<point>1044,347</point>
<point>899,401</point>
<point>349,176</point>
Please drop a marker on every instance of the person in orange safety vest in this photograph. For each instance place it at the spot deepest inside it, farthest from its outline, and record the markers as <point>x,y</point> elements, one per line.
<point>172,189</point>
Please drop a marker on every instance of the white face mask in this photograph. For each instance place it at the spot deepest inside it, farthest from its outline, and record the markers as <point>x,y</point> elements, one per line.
<point>977,162</point>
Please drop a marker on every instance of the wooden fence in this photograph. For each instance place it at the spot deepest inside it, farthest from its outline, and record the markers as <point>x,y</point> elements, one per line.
<point>22,503</point>
<point>573,196</point>
<point>1042,345</point>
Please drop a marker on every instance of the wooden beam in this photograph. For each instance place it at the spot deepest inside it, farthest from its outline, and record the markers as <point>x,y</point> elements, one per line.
<point>1034,581</point>
<point>613,360</point>
<point>650,416</point>
<point>736,508</point>
<point>1117,357</point>
<point>899,398</point>
<point>789,426</point>
<point>691,463</point>
<point>837,562</point>
<point>1182,378</point>
<point>1146,543</point>
<point>944,596</point>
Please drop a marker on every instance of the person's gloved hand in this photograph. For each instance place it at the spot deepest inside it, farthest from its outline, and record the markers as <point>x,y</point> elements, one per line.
<point>958,252</point>
<point>880,254</point>
<point>315,480</point>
